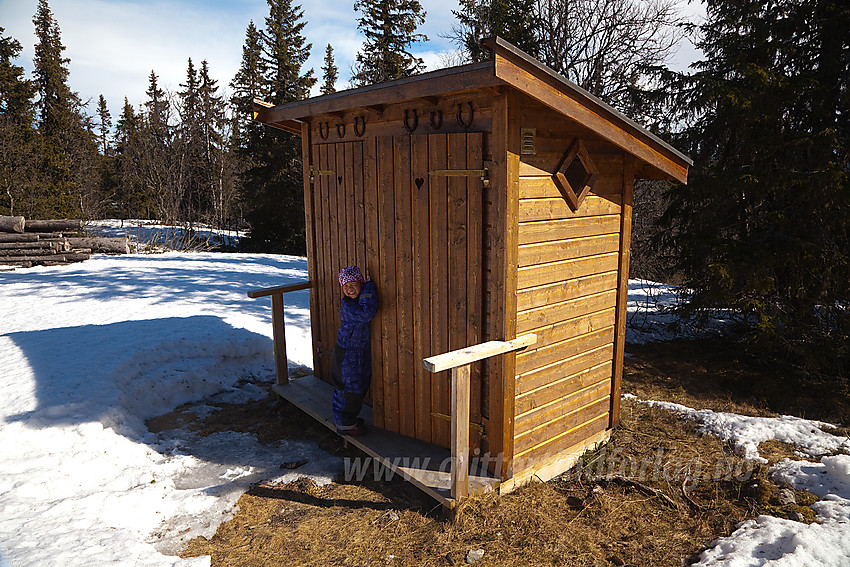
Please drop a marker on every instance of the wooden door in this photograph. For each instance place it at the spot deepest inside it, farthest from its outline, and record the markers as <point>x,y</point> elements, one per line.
<point>386,205</point>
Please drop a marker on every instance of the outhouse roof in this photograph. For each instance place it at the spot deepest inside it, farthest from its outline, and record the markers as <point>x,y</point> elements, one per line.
<point>509,66</point>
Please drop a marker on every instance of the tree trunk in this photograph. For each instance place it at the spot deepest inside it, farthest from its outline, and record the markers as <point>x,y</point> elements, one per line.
<point>102,244</point>
<point>12,224</point>
<point>54,225</point>
<point>11,237</point>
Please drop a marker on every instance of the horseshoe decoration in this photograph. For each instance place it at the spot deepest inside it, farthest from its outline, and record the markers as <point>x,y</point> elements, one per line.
<point>361,129</point>
<point>407,125</point>
<point>324,133</point>
<point>460,115</point>
<point>340,129</point>
<point>436,124</point>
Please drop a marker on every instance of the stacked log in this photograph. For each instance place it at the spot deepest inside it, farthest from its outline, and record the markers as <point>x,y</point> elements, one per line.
<point>42,243</point>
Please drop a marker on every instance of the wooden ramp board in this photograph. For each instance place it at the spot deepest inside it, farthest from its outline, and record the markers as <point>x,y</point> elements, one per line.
<point>425,465</point>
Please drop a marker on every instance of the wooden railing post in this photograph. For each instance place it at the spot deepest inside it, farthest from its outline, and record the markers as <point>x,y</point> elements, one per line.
<point>459,362</point>
<point>281,363</point>
<point>460,431</point>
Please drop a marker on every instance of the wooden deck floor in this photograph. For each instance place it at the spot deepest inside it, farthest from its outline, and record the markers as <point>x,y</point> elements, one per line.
<point>425,465</point>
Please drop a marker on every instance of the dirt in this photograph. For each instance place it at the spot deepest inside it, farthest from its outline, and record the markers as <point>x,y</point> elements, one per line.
<point>689,488</point>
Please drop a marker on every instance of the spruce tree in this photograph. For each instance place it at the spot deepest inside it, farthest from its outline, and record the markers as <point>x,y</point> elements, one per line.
<point>513,20</point>
<point>389,27</point>
<point>104,124</point>
<point>69,147</point>
<point>18,140</point>
<point>248,82</point>
<point>762,226</point>
<point>272,192</point>
<point>330,72</point>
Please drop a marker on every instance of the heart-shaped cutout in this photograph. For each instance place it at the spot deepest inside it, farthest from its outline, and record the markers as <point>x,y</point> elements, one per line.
<point>339,179</point>
<point>419,182</point>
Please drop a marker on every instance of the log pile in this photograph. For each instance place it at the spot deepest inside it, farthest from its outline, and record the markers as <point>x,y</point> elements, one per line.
<point>26,243</point>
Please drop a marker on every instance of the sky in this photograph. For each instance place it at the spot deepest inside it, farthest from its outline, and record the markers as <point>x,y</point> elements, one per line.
<point>113,45</point>
<point>92,350</point>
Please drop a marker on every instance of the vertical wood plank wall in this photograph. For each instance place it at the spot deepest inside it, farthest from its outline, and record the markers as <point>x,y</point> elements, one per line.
<point>566,294</point>
<point>419,237</point>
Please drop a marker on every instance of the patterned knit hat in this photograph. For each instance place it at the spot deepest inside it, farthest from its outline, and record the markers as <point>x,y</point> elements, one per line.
<point>350,274</point>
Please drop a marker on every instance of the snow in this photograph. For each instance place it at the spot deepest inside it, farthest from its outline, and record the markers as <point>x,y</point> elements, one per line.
<point>780,542</point>
<point>651,315</point>
<point>92,350</point>
<point>745,432</point>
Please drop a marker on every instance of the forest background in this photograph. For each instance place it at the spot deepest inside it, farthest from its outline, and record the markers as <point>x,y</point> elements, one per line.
<point>760,230</point>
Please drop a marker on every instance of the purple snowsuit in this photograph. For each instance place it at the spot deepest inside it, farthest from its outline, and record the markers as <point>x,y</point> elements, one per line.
<point>351,367</point>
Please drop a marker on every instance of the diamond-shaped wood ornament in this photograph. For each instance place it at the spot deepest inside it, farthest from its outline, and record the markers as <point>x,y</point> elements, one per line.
<point>576,175</point>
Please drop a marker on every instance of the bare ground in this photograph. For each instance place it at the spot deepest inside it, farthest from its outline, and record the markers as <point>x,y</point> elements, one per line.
<point>655,495</point>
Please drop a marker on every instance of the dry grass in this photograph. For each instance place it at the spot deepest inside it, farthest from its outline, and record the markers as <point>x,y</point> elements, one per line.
<point>584,518</point>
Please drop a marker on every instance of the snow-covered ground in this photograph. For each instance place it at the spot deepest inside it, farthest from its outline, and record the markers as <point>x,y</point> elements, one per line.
<point>89,351</point>
<point>768,540</point>
<point>147,235</point>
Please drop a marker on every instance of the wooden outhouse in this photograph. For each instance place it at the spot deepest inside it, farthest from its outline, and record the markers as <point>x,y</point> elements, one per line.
<point>488,202</point>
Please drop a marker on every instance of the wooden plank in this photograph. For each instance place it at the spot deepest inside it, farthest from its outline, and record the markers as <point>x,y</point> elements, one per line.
<point>281,364</point>
<point>323,267</point>
<point>457,231</point>
<point>336,158</point>
<point>389,322</point>
<point>560,407</point>
<point>560,250</point>
<point>310,214</point>
<point>557,208</point>
<point>467,78</point>
<point>564,387</point>
<point>404,286</point>
<point>474,279</point>
<point>586,111</point>
<point>496,199</point>
<point>348,199</point>
<point>360,207</point>
<point>563,442</point>
<point>394,125</point>
<point>538,183</point>
<point>255,293</point>
<point>474,353</point>
<point>575,327</point>
<point>542,316</point>
<point>549,374</point>
<point>533,276</point>
<point>562,229</point>
<point>513,142</point>
<point>530,298</point>
<point>373,265</point>
<point>460,432</point>
<point>423,464</point>
<point>439,252</point>
<point>622,288</point>
<point>544,468</point>
<point>561,424</point>
<point>422,271</point>
<point>549,354</point>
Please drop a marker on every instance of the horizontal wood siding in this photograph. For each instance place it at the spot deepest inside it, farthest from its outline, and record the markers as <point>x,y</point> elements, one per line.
<point>567,294</point>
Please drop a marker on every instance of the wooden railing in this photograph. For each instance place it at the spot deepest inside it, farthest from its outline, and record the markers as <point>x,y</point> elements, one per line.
<point>281,366</point>
<point>459,362</point>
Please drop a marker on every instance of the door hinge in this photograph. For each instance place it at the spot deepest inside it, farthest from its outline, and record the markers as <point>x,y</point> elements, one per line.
<point>315,172</point>
<point>482,173</point>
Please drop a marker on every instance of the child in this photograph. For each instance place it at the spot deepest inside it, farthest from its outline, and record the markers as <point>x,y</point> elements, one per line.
<point>351,366</point>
